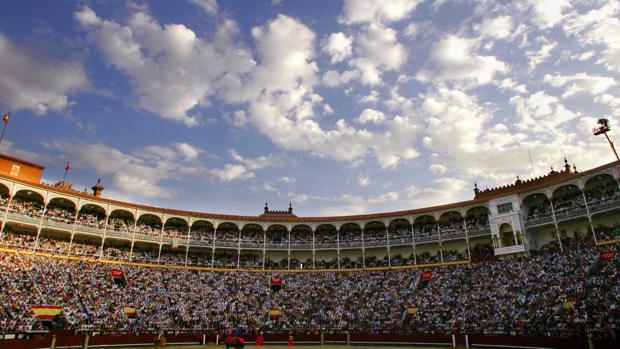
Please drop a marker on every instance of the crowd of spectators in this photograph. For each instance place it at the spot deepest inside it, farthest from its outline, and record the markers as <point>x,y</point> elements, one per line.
<point>33,209</point>
<point>525,296</point>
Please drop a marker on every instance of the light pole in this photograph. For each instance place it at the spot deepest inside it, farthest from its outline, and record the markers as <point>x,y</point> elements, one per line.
<point>603,129</point>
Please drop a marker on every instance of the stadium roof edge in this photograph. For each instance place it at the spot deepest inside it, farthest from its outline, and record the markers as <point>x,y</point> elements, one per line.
<point>301,219</point>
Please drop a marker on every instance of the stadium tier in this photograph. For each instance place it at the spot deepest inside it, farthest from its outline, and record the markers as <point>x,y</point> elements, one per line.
<point>504,221</point>
<point>532,258</point>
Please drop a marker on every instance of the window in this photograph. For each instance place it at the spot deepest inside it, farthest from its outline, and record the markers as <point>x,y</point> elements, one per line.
<point>504,208</point>
<point>15,171</point>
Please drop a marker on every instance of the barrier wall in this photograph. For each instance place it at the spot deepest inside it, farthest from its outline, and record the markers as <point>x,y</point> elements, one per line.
<point>64,340</point>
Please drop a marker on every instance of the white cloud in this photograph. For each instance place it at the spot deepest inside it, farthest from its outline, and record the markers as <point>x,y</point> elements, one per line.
<point>454,59</point>
<point>498,27</point>
<point>537,57</point>
<point>440,191</point>
<point>363,181</point>
<point>282,102</point>
<point>338,46</point>
<point>333,78</point>
<point>141,172</point>
<point>33,80</point>
<point>170,68</point>
<point>231,172</point>
<point>377,49</point>
<point>354,204</point>
<point>548,13</point>
<point>371,116</point>
<point>287,180</point>
<point>599,27</point>
<point>580,83</point>
<point>454,120</point>
<point>258,162</point>
<point>208,6</point>
<point>541,113</point>
<point>438,168</point>
<point>364,11</point>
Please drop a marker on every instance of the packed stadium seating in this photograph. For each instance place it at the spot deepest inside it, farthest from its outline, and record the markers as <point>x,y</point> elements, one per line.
<point>526,295</point>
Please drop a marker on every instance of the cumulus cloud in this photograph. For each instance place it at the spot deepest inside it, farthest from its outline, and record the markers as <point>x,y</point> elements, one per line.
<point>369,115</point>
<point>338,46</point>
<point>541,113</point>
<point>231,172</point>
<point>281,98</point>
<point>454,59</point>
<point>32,80</point>
<point>170,68</point>
<point>142,172</point>
<point>548,13</point>
<point>377,50</point>
<point>580,83</point>
<point>498,27</point>
<point>598,27</point>
<point>364,11</point>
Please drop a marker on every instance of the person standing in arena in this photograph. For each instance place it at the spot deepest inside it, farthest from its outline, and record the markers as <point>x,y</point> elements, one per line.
<point>260,340</point>
<point>290,340</point>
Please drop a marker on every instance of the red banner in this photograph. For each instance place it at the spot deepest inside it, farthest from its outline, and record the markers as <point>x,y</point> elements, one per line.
<point>608,255</point>
<point>117,274</point>
<point>276,281</point>
<point>426,276</point>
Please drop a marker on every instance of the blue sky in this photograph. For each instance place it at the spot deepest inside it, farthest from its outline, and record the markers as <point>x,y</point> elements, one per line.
<point>341,107</point>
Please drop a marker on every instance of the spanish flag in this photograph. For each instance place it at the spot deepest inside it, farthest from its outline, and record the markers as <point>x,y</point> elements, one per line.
<point>274,312</point>
<point>46,312</point>
<point>6,118</point>
<point>412,310</point>
<point>130,311</point>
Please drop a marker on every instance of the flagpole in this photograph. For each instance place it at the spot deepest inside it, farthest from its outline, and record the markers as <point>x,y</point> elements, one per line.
<point>66,170</point>
<point>531,162</point>
<point>2,135</point>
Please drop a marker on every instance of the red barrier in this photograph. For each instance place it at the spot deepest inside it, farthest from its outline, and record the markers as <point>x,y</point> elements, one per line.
<point>67,339</point>
<point>530,342</point>
<point>25,343</point>
<point>400,338</point>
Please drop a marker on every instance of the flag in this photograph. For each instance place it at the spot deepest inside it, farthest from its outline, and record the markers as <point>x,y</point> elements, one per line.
<point>117,274</point>
<point>426,276</point>
<point>412,310</point>
<point>46,312</point>
<point>130,311</point>
<point>274,312</point>
<point>608,255</point>
<point>6,118</point>
<point>67,167</point>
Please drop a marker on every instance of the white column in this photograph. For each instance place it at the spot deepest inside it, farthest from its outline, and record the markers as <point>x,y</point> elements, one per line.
<point>585,201</point>
<point>555,222</point>
<point>189,232</point>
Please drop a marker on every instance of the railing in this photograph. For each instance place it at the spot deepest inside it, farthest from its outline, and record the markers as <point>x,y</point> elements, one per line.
<point>539,219</point>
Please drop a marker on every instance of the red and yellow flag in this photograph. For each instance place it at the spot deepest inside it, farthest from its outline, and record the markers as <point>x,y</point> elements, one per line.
<point>45,312</point>
<point>130,311</point>
<point>6,118</point>
<point>412,310</point>
<point>274,312</point>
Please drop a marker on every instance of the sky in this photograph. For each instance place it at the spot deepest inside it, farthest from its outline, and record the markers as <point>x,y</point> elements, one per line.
<point>340,107</point>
